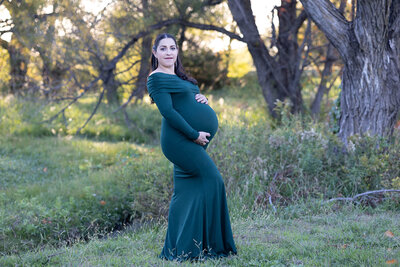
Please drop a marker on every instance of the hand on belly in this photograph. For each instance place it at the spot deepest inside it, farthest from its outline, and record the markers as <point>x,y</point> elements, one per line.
<point>201,98</point>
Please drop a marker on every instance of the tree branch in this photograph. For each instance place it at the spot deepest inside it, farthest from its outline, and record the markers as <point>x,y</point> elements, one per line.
<point>364,194</point>
<point>93,112</point>
<point>210,27</point>
<point>104,75</point>
<point>334,25</point>
<point>162,24</point>
<point>75,99</point>
<point>299,21</point>
<point>3,43</point>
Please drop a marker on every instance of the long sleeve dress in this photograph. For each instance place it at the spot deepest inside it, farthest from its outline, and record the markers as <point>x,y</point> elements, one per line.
<point>198,218</point>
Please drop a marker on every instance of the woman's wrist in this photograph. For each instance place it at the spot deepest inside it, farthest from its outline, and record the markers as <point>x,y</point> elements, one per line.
<point>197,136</point>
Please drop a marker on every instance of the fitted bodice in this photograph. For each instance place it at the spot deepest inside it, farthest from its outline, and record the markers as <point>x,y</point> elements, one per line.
<point>200,116</point>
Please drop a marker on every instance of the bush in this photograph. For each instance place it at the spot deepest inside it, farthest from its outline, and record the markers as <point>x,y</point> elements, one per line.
<point>207,67</point>
<point>60,189</point>
<point>22,117</point>
<point>68,190</point>
<point>298,160</point>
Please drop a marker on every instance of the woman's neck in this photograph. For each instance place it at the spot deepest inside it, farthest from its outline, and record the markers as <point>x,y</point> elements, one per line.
<point>166,70</point>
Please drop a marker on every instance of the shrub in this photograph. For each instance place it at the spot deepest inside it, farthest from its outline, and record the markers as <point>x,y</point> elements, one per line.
<point>299,159</point>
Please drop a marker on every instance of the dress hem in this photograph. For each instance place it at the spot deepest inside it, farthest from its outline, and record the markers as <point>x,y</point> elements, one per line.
<point>198,257</point>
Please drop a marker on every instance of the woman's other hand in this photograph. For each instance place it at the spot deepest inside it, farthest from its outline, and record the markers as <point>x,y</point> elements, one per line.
<point>202,139</point>
<point>201,98</point>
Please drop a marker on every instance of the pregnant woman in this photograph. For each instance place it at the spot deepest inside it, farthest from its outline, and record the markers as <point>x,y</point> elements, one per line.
<point>198,219</point>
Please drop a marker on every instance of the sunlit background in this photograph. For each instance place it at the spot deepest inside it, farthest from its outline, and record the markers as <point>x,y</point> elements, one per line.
<point>261,9</point>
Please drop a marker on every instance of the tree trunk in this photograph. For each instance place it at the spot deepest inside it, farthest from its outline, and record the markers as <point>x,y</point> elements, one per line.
<point>144,67</point>
<point>18,67</point>
<point>279,77</point>
<point>45,49</point>
<point>329,60</point>
<point>111,86</point>
<point>243,15</point>
<point>370,49</point>
<point>182,37</point>
<point>288,56</point>
<point>145,55</point>
<point>322,88</point>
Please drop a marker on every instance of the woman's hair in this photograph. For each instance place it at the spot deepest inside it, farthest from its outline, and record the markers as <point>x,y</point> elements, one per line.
<point>178,69</point>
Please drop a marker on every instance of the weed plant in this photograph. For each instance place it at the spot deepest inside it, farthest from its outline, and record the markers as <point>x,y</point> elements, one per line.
<point>58,189</point>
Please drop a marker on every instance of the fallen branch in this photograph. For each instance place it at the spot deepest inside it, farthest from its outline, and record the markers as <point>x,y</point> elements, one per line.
<point>93,112</point>
<point>269,194</point>
<point>364,194</point>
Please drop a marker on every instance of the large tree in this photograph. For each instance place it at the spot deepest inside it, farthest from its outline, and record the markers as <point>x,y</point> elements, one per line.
<point>22,25</point>
<point>279,75</point>
<point>33,28</point>
<point>370,49</point>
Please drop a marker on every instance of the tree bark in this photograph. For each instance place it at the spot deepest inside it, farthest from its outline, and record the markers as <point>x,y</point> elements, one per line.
<point>370,50</point>
<point>289,59</point>
<point>110,85</point>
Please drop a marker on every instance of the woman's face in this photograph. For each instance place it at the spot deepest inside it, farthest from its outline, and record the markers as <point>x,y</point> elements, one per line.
<point>166,53</point>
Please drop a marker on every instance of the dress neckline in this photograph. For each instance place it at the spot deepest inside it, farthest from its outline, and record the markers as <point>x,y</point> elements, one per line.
<point>163,73</point>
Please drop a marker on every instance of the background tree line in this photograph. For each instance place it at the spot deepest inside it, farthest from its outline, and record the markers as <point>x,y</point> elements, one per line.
<point>61,52</point>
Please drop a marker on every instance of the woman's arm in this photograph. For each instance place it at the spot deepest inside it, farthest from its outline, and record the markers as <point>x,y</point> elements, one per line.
<point>164,104</point>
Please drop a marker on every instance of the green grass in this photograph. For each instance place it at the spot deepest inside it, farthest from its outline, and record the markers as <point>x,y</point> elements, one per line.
<point>56,190</point>
<point>325,237</point>
<point>64,198</point>
<point>28,117</point>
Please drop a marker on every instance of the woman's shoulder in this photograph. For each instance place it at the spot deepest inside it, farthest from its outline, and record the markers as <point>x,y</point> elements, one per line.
<point>162,82</point>
<point>162,79</point>
<point>156,78</point>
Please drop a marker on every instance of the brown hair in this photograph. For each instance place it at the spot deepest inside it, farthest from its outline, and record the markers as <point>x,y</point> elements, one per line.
<point>178,69</point>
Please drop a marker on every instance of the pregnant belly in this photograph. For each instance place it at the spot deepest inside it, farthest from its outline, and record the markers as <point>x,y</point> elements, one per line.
<point>201,117</point>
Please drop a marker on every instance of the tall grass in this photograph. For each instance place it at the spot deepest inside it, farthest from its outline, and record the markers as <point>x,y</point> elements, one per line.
<point>30,117</point>
<point>57,189</point>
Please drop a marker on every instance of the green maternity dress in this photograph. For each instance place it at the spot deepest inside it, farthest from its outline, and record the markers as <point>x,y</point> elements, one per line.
<point>198,219</point>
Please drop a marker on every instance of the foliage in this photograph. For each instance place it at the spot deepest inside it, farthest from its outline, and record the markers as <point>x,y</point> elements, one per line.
<point>5,69</point>
<point>58,189</point>
<point>240,63</point>
<point>22,116</point>
<point>208,68</point>
<point>300,160</point>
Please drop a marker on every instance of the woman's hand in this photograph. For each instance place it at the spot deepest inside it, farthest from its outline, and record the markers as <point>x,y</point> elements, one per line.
<point>201,98</point>
<point>202,139</point>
